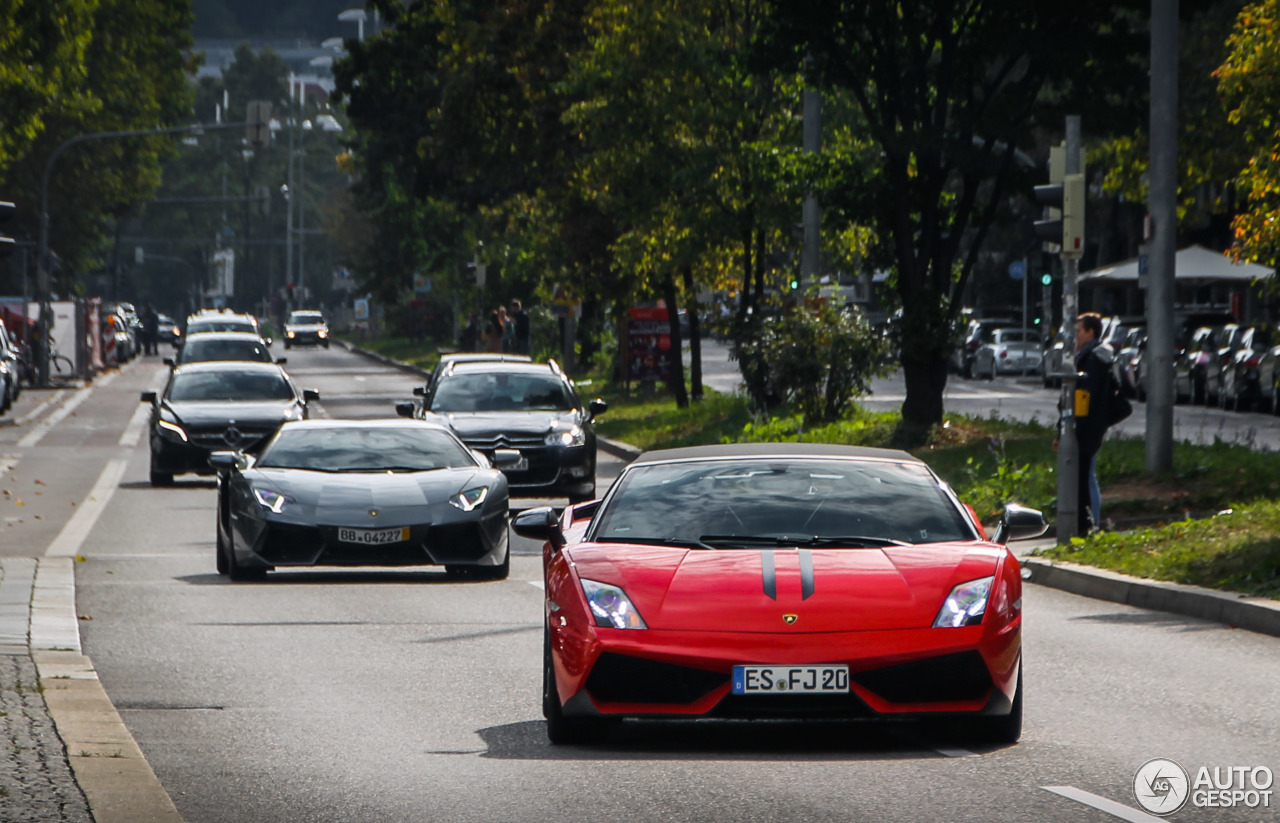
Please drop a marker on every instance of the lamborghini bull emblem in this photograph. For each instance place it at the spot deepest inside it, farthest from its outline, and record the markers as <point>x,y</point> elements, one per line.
<point>790,618</point>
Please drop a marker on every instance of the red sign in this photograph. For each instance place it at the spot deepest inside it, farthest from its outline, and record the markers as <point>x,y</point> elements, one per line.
<point>649,350</point>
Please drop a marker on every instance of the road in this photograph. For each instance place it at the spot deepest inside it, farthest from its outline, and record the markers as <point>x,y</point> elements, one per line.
<point>394,696</point>
<point>1026,399</point>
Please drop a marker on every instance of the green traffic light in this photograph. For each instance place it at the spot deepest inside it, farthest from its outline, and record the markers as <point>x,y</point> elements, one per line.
<point>795,284</point>
<point>1046,279</point>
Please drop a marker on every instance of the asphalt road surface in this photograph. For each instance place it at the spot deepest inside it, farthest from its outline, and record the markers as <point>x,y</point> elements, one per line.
<point>375,695</point>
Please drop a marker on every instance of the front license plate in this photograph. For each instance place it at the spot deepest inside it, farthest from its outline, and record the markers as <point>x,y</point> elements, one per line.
<point>371,537</point>
<point>790,679</point>
<point>521,465</point>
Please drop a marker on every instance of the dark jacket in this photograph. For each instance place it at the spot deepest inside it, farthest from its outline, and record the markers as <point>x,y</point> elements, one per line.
<point>1093,367</point>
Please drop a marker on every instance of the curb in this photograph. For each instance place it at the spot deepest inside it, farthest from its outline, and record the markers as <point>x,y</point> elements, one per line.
<point>617,448</point>
<point>1238,611</point>
<point>382,358</point>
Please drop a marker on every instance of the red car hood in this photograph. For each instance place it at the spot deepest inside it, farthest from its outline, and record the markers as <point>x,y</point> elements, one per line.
<point>852,589</point>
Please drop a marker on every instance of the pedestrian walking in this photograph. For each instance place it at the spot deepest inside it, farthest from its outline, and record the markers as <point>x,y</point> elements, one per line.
<point>1094,397</point>
<point>150,330</point>
<point>496,331</point>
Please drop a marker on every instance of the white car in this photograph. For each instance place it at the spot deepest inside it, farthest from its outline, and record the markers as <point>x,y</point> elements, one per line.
<point>306,328</point>
<point>1010,351</point>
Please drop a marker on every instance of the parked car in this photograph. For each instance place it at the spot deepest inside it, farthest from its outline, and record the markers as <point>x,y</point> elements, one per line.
<point>208,407</point>
<point>1186,325</point>
<point>1009,351</point>
<point>361,493</point>
<point>167,331</point>
<point>529,407</point>
<point>1241,383</point>
<point>1128,360</point>
<point>977,334</point>
<point>11,368</point>
<point>1194,364</point>
<point>306,328</point>
<point>779,580</point>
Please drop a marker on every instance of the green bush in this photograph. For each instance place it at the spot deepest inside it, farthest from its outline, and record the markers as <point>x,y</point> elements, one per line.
<point>814,358</point>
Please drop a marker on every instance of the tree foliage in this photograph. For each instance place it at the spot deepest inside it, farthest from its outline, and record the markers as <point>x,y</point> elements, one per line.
<point>1249,79</point>
<point>950,93</point>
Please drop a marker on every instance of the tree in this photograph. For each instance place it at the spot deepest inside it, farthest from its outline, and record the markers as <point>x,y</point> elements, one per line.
<point>1249,79</point>
<point>950,92</point>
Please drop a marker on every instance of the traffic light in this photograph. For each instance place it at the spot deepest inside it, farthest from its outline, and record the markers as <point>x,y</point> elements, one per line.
<point>1046,279</point>
<point>793,283</point>
<point>7,243</point>
<point>1066,230</point>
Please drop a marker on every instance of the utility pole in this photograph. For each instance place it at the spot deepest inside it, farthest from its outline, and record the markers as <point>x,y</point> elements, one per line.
<point>1162,247</point>
<point>810,255</point>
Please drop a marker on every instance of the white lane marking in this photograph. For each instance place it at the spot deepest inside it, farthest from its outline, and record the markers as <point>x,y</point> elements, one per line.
<point>53,605</point>
<point>133,432</point>
<point>72,536</point>
<point>39,410</point>
<point>42,428</point>
<point>1102,804</point>
<point>319,411</point>
<point>537,584</point>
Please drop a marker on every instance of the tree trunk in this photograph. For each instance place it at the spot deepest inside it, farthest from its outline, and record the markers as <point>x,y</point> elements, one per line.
<point>922,409</point>
<point>677,345</point>
<point>695,333</point>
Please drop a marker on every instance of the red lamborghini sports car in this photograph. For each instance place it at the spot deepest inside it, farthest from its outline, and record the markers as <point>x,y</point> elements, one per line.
<point>779,581</point>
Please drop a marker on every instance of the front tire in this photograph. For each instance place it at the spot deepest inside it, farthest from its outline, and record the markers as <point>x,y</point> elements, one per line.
<point>1005,730</point>
<point>561,730</point>
<point>221,553</point>
<point>160,479</point>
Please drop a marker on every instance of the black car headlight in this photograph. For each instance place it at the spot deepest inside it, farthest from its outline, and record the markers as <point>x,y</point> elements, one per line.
<point>172,430</point>
<point>471,499</point>
<point>271,499</point>
<point>572,436</point>
<point>966,604</point>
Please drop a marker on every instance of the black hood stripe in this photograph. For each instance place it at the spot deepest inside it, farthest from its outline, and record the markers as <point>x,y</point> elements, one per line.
<point>806,574</point>
<point>770,575</point>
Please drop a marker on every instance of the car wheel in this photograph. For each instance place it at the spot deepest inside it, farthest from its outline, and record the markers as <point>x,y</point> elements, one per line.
<point>583,497</point>
<point>237,572</point>
<point>159,478</point>
<point>499,572</point>
<point>561,730</point>
<point>1004,730</point>
<point>326,344</point>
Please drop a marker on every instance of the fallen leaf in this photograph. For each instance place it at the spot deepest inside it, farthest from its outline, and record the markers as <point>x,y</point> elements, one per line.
<point>84,617</point>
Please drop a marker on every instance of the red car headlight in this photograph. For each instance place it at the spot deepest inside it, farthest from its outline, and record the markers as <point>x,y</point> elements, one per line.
<point>611,607</point>
<point>966,604</point>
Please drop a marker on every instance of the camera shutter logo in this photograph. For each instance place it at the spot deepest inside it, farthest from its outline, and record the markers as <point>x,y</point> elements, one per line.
<point>1161,786</point>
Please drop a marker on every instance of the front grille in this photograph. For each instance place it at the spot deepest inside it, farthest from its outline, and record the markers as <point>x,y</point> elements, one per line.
<point>455,543</point>
<point>506,441</point>
<point>962,676</point>
<point>216,438</point>
<point>618,678</point>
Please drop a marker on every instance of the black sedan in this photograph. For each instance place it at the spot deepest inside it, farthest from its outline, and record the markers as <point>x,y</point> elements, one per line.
<point>224,345</point>
<point>207,407</point>
<point>361,493</point>
<point>527,408</point>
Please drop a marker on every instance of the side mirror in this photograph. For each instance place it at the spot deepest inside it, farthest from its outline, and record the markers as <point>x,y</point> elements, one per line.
<point>597,407</point>
<point>405,409</point>
<point>170,362</point>
<point>280,361</point>
<point>540,524</point>
<point>310,395</point>
<point>149,397</point>
<point>269,340</point>
<point>224,462</point>
<point>1018,522</point>
<point>502,458</point>
<point>419,391</point>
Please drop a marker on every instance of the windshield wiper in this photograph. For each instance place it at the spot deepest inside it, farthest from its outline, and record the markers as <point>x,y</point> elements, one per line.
<point>861,540</point>
<point>658,541</point>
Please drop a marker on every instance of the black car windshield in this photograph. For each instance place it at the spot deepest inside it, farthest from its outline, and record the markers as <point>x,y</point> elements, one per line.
<point>229,385</point>
<point>313,318</point>
<point>221,325</point>
<point>483,391</point>
<point>360,450</point>
<point>772,501</point>
<point>200,349</point>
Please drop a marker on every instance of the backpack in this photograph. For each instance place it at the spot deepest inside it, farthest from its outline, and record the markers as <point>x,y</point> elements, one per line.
<point>1118,406</point>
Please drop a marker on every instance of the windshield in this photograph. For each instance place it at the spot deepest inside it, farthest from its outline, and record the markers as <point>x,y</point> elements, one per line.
<point>797,499</point>
<point>501,392</point>
<point>361,450</point>
<point>229,385</point>
<point>198,349</point>
<point>313,318</point>
<point>221,325</point>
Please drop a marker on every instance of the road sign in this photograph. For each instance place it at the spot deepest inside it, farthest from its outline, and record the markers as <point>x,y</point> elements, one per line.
<point>1017,269</point>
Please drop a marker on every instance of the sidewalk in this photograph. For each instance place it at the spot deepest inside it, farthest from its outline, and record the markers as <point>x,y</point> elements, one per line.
<point>67,755</point>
